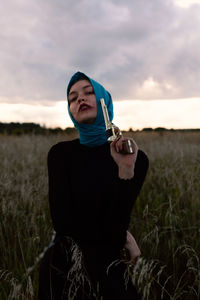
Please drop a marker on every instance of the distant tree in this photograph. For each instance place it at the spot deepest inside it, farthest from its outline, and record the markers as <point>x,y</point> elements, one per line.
<point>147,129</point>
<point>55,130</point>
<point>160,129</point>
<point>70,130</point>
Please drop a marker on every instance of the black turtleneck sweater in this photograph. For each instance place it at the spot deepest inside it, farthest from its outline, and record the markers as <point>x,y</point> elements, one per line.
<point>91,204</point>
<point>88,201</point>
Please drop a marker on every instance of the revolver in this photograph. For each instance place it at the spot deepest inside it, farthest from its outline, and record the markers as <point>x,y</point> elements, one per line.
<point>114,132</point>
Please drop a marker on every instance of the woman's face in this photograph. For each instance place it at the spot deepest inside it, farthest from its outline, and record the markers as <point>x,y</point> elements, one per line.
<point>82,102</point>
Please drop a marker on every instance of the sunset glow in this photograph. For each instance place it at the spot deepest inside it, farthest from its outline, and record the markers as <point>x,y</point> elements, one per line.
<point>180,113</point>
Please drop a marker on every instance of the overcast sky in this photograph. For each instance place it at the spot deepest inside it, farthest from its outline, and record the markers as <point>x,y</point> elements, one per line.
<point>139,50</point>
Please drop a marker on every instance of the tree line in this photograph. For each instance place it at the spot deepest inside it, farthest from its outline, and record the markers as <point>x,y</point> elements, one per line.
<point>17,128</point>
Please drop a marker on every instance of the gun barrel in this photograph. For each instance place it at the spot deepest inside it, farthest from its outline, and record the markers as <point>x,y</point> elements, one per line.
<point>105,114</point>
<point>110,130</point>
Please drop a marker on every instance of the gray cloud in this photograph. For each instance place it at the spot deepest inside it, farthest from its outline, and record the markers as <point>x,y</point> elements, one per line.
<point>122,44</point>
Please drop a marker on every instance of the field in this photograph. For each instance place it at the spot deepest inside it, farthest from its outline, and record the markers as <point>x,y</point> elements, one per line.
<point>165,220</point>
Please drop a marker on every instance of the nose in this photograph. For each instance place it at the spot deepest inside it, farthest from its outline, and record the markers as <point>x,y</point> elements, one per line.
<point>81,98</point>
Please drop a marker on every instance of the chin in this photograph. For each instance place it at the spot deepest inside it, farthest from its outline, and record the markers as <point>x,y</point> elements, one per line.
<point>87,119</point>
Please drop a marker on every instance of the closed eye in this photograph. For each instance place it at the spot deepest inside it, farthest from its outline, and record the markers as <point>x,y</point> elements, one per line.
<point>72,99</point>
<point>90,93</point>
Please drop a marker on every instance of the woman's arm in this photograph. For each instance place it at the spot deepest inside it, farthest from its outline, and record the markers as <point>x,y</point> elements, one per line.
<point>127,187</point>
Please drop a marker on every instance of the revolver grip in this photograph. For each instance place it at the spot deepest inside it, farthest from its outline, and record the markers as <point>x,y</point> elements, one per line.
<point>128,147</point>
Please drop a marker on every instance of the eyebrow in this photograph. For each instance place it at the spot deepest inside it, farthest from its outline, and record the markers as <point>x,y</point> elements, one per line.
<point>89,85</point>
<point>85,87</point>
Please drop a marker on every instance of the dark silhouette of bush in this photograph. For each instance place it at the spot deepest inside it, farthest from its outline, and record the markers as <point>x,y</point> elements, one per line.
<point>17,128</point>
<point>160,129</point>
<point>31,128</point>
<point>70,130</point>
<point>147,129</point>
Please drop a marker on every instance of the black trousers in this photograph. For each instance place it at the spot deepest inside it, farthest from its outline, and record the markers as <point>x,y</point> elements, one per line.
<point>102,285</point>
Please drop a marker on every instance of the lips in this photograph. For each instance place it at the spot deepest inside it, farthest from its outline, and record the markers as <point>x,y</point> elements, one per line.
<point>84,106</point>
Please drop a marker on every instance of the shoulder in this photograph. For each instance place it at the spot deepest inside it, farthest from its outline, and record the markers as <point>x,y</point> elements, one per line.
<point>62,148</point>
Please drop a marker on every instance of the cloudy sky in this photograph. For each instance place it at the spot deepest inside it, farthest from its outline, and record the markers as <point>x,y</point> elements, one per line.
<point>146,53</point>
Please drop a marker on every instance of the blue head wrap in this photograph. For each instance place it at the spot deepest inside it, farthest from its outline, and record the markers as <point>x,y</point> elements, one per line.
<point>92,134</point>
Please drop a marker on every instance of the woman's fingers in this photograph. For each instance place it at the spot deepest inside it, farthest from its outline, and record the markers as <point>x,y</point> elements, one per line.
<point>115,145</point>
<point>118,143</point>
<point>133,259</point>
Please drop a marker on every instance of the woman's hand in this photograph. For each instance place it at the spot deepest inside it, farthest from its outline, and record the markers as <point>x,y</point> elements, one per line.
<point>125,162</point>
<point>132,249</point>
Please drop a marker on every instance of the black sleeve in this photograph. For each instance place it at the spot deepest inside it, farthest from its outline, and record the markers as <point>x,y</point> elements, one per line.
<point>126,193</point>
<point>59,194</point>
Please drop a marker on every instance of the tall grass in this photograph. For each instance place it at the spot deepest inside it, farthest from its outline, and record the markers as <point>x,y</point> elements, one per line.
<point>165,220</point>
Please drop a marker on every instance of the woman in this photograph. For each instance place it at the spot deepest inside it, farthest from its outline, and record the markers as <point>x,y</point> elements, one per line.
<point>92,189</point>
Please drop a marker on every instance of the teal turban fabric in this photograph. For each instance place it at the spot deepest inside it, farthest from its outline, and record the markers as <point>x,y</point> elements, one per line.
<point>92,134</point>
